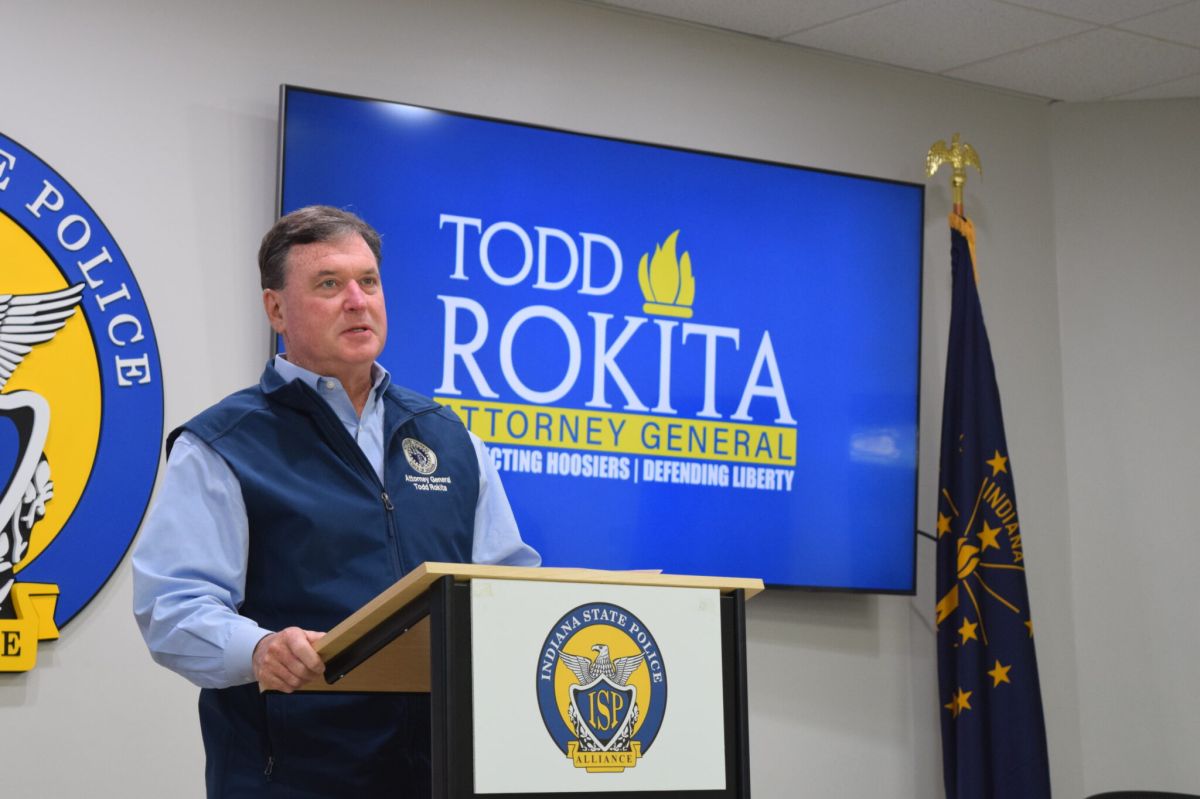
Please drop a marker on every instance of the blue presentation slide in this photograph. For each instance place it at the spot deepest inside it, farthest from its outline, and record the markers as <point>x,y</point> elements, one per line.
<point>680,361</point>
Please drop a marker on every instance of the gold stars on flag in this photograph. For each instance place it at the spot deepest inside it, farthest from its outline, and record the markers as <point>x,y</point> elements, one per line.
<point>1029,626</point>
<point>959,702</point>
<point>999,674</point>
<point>987,537</point>
<point>943,524</point>
<point>967,631</point>
<point>999,463</point>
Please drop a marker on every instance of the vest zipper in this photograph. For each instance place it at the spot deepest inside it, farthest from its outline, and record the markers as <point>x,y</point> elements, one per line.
<point>387,502</point>
<point>269,744</point>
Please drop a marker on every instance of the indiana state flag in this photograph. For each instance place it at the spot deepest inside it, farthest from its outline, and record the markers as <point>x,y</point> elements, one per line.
<point>993,735</point>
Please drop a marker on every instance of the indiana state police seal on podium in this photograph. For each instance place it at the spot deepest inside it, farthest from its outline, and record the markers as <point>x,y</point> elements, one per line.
<point>602,687</point>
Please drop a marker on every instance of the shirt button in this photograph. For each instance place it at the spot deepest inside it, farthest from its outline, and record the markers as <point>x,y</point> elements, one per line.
<point>329,385</point>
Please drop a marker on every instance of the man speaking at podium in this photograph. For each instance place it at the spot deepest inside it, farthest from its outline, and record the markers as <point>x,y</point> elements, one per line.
<point>287,506</point>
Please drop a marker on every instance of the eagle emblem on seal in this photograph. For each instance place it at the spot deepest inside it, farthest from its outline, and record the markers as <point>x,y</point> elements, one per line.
<point>26,320</point>
<point>603,708</point>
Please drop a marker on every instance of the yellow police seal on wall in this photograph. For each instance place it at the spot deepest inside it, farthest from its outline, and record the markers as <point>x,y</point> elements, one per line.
<point>81,409</point>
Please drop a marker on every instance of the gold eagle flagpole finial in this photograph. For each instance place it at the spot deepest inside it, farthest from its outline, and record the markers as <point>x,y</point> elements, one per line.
<point>959,155</point>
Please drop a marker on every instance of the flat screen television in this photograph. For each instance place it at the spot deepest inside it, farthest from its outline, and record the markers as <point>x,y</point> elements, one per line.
<point>680,360</point>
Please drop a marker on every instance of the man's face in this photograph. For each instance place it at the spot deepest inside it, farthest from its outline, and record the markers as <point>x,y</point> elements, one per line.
<point>330,310</point>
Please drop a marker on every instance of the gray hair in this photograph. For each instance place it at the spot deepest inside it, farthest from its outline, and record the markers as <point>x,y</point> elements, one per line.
<point>307,226</point>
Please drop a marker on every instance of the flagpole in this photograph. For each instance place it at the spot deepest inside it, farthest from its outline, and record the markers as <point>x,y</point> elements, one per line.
<point>959,155</point>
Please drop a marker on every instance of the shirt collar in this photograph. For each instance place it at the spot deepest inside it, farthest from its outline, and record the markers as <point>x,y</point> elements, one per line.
<point>380,377</point>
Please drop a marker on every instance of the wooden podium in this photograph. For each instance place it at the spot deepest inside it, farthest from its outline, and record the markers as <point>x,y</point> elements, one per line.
<point>417,637</point>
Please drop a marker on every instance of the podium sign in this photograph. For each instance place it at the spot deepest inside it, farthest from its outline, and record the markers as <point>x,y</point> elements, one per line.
<point>553,682</point>
<point>582,688</point>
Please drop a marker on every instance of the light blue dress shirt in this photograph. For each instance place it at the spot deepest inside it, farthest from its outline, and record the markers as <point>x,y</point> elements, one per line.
<point>189,564</point>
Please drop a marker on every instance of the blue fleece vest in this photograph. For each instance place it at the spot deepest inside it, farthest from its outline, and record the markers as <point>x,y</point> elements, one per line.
<point>326,536</point>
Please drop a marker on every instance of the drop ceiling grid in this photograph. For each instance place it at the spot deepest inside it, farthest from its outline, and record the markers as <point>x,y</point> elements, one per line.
<point>1073,50</point>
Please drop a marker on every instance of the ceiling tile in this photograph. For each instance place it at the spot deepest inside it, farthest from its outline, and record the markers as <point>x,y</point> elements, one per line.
<point>1091,66</point>
<point>770,18</point>
<point>1048,48</point>
<point>1102,12</point>
<point>937,35</point>
<point>1188,87</point>
<point>1179,24</point>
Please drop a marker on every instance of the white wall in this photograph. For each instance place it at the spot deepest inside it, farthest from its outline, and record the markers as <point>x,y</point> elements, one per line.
<point>163,116</point>
<point>1127,208</point>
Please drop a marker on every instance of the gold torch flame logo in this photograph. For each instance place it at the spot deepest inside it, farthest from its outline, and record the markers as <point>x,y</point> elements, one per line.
<point>666,281</point>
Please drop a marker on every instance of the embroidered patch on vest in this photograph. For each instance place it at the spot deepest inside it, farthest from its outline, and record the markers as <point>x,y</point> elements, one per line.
<point>421,458</point>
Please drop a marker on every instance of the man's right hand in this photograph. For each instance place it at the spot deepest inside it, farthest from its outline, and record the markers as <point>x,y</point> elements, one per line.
<point>285,660</point>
